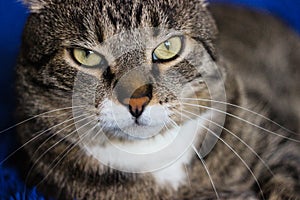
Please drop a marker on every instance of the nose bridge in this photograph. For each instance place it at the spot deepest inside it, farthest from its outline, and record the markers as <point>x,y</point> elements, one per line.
<point>133,84</point>
<point>134,90</point>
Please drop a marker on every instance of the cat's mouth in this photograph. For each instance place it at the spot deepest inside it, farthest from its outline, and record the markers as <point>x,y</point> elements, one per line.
<point>117,121</point>
<point>134,132</point>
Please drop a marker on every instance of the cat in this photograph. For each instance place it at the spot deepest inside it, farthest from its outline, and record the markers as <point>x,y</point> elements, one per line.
<point>158,100</point>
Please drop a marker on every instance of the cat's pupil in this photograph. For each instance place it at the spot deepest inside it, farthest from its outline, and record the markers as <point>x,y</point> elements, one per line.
<point>167,44</point>
<point>87,53</point>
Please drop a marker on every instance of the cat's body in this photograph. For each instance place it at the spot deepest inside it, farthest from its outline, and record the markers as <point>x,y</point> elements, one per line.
<point>46,77</point>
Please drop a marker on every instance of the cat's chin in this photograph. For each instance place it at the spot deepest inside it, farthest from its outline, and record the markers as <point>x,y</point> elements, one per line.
<point>135,131</point>
<point>172,147</point>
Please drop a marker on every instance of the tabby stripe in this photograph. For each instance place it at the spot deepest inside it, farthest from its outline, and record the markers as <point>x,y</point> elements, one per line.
<point>138,14</point>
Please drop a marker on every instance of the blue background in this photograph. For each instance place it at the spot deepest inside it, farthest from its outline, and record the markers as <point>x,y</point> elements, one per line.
<point>12,18</point>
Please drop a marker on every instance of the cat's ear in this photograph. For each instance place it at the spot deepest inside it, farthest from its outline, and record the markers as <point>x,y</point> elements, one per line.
<point>35,5</point>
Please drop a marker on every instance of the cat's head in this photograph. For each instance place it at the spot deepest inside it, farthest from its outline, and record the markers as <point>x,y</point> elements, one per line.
<point>136,68</point>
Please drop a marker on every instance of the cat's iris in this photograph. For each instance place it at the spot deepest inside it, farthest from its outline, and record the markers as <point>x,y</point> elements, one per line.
<point>86,57</point>
<point>168,50</point>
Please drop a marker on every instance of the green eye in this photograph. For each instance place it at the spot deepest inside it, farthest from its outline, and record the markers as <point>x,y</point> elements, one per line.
<point>86,57</point>
<point>168,49</point>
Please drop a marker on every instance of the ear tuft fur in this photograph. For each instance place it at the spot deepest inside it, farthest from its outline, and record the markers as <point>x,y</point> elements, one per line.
<point>35,5</point>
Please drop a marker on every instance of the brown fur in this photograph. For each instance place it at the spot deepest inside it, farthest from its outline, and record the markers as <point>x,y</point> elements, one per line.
<point>45,82</point>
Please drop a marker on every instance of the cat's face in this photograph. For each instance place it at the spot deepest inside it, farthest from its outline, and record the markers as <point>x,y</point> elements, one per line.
<point>127,66</point>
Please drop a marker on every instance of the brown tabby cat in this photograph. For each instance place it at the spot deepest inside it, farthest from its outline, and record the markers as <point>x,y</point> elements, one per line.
<point>140,99</point>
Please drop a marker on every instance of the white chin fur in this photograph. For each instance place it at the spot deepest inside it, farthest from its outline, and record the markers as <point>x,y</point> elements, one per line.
<point>163,155</point>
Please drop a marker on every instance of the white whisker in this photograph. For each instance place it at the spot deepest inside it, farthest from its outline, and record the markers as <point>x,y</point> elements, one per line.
<point>52,146</point>
<point>242,160</point>
<point>242,141</point>
<point>243,108</point>
<point>55,116</point>
<point>248,122</point>
<point>173,122</point>
<point>32,139</point>
<point>187,175</point>
<point>69,147</point>
<point>207,171</point>
<point>97,133</point>
<point>44,153</point>
<point>68,126</point>
<point>31,118</point>
<point>165,125</point>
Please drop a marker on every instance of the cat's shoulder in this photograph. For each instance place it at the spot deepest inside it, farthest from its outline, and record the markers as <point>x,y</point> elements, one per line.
<point>264,52</point>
